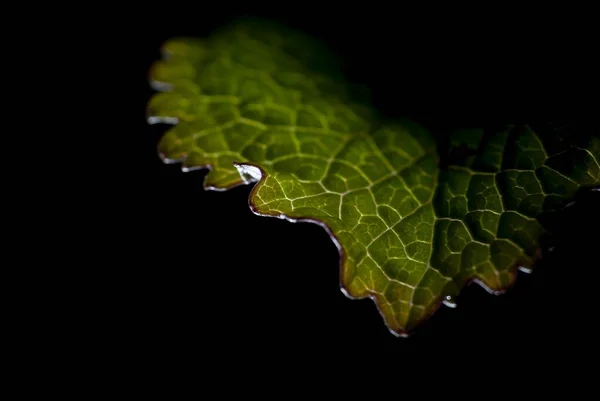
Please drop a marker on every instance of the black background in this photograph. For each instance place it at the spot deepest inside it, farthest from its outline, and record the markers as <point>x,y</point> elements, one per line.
<point>207,275</point>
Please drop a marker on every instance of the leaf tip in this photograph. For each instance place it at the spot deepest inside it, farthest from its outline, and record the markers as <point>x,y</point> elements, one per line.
<point>525,269</point>
<point>166,160</point>
<point>180,46</point>
<point>450,301</point>
<point>399,334</point>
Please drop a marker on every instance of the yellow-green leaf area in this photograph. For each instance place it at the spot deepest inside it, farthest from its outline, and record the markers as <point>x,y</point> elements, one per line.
<point>258,103</point>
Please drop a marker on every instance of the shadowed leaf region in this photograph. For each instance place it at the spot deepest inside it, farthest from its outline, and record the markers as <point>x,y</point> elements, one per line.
<point>259,103</point>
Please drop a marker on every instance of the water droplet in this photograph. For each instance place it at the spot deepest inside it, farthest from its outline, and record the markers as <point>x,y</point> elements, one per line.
<point>449,301</point>
<point>525,269</point>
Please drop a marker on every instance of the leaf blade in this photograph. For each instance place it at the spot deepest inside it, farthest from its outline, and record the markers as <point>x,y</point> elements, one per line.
<point>411,232</point>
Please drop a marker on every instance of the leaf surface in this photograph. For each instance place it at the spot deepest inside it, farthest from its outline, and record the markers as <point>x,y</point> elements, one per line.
<point>259,103</point>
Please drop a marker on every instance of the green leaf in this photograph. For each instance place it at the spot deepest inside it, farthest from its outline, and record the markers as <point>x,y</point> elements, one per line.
<point>259,103</point>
